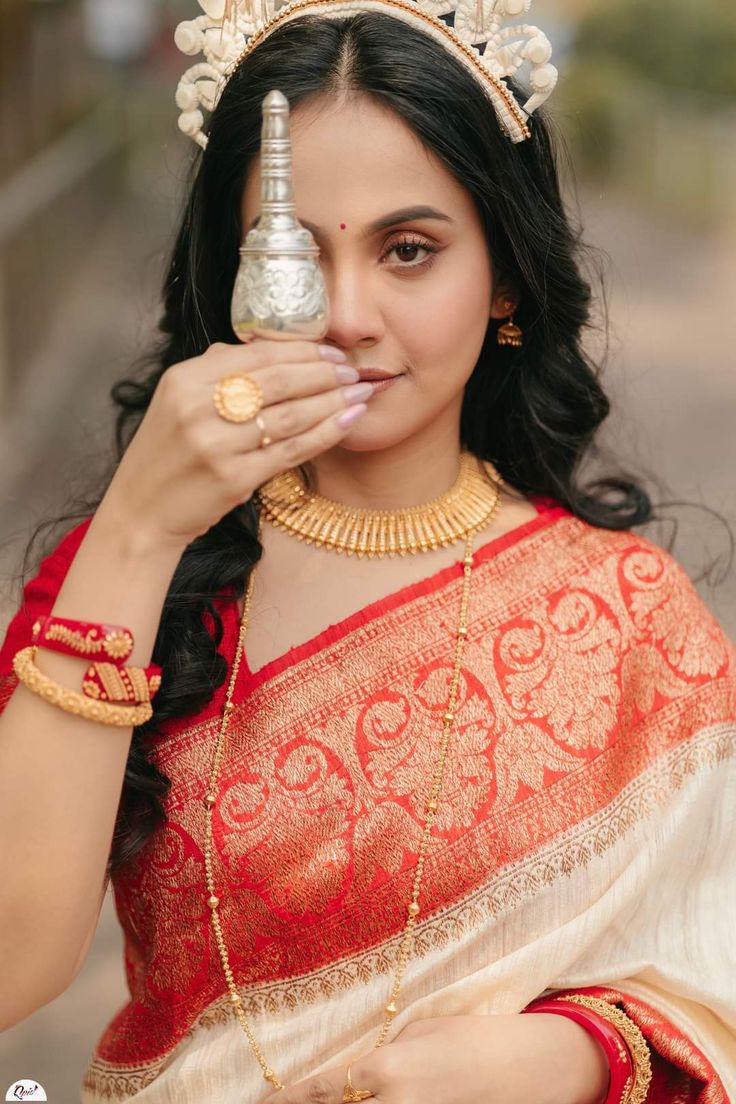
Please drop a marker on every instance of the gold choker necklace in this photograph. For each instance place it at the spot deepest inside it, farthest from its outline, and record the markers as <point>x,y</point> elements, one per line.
<point>471,502</point>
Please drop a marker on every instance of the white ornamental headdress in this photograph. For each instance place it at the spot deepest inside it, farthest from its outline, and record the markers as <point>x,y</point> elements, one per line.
<point>485,37</point>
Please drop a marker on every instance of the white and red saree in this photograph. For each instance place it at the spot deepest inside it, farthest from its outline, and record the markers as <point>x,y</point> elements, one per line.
<point>585,841</point>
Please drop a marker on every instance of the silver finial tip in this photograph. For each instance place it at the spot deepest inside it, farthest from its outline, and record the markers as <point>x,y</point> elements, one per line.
<point>275,99</point>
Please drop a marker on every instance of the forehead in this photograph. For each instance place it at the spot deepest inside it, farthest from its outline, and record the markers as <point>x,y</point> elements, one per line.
<point>361,156</point>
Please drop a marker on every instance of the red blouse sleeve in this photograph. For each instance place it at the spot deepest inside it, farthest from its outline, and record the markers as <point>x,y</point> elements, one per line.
<point>680,1071</point>
<point>39,597</point>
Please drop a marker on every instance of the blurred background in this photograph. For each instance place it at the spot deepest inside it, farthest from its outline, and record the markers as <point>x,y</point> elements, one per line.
<point>92,170</point>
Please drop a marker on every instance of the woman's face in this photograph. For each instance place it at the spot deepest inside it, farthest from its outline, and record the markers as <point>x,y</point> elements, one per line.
<point>413,297</point>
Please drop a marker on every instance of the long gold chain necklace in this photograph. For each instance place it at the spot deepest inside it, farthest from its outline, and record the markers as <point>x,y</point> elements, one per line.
<point>493,498</point>
<point>468,504</point>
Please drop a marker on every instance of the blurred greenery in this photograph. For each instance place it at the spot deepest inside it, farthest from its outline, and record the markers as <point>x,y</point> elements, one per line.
<point>648,101</point>
<point>588,92</point>
<point>678,44</point>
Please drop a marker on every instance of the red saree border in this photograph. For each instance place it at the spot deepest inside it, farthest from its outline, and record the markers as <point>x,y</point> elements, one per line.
<point>680,1070</point>
<point>40,591</point>
<point>136,1026</point>
<point>548,511</point>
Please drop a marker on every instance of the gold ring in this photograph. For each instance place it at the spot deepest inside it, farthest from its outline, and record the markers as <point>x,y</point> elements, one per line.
<point>350,1094</point>
<point>237,398</point>
<point>265,439</point>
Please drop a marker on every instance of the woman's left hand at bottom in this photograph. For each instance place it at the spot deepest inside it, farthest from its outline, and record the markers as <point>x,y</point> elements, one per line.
<point>539,1058</point>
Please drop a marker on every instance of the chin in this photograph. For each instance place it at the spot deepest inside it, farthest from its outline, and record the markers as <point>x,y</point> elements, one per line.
<point>363,439</point>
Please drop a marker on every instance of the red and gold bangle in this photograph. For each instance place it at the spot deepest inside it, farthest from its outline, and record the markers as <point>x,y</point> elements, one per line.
<point>624,1045</point>
<point>110,683</point>
<point>83,638</point>
<point>70,701</point>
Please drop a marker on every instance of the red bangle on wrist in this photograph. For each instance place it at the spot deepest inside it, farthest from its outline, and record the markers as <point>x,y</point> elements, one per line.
<point>110,683</point>
<point>107,679</point>
<point>83,638</point>
<point>619,1059</point>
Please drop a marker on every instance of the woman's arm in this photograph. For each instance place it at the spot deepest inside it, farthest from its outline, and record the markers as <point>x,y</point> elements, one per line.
<point>61,775</point>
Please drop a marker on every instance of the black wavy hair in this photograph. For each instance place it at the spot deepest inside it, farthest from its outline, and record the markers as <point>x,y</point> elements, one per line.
<point>533,410</point>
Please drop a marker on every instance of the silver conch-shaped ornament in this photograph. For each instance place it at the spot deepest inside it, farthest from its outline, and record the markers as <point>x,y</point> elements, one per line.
<point>279,291</point>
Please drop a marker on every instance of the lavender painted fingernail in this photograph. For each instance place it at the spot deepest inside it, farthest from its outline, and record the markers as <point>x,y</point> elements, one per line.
<point>349,416</point>
<point>346,374</point>
<point>357,392</point>
<point>329,352</point>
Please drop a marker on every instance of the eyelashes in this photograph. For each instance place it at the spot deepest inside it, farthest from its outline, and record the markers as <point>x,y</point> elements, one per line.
<point>413,242</point>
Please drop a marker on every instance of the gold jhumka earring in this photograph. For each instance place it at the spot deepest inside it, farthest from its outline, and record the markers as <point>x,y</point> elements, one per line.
<point>509,333</point>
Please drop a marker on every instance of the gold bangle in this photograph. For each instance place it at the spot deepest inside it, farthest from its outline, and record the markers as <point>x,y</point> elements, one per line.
<point>70,701</point>
<point>635,1042</point>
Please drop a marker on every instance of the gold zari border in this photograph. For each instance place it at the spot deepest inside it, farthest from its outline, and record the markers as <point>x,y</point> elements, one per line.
<point>576,850</point>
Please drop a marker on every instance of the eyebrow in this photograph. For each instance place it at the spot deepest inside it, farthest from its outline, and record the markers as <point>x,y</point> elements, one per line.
<point>394,218</point>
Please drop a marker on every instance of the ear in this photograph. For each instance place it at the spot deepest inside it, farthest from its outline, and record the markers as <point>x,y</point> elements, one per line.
<point>505,301</point>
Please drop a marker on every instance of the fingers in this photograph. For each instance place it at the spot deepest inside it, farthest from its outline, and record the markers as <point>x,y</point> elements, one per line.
<point>296,416</point>
<point>221,359</point>
<point>280,382</point>
<point>304,401</point>
<point>330,1084</point>
<point>283,370</point>
<point>263,463</point>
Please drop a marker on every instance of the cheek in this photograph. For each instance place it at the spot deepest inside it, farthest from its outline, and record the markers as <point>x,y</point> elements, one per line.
<point>443,324</point>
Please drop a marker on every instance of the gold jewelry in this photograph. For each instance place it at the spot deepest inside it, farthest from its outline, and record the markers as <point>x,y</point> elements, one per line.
<point>509,334</point>
<point>413,907</point>
<point>350,1094</point>
<point>112,641</point>
<point>71,702</point>
<point>237,398</point>
<point>112,683</point>
<point>265,439</point>
<point>470,503</point>
<point>632,1036</point>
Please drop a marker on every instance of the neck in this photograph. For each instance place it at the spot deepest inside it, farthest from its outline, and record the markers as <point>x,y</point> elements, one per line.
<point>407,474</point>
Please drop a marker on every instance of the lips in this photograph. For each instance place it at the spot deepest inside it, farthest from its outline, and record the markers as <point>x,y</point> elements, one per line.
<point>376,374</point>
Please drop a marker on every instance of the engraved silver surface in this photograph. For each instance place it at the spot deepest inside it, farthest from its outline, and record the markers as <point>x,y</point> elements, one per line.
<point>279,291</point>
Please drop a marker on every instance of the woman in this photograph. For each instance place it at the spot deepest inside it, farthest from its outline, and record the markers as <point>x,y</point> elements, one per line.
<point>560,670</point>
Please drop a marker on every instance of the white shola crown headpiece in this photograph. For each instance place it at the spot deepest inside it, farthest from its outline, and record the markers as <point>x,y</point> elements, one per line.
<point>483,38</point>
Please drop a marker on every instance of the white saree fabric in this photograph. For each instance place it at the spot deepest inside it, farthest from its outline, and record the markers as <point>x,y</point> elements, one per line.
<point>586,835</point>
<point>641,897</point>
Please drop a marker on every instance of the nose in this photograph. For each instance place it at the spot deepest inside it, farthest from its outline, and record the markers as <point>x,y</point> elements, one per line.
<point>355,310</point>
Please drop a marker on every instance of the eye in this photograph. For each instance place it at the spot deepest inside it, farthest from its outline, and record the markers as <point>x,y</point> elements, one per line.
<point>407,247</point>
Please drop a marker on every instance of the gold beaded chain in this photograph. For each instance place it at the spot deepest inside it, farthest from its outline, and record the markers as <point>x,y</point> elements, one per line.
<point>413,908</point>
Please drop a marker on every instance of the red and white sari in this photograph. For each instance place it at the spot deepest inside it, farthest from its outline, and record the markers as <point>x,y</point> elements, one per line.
<point>585,840</point>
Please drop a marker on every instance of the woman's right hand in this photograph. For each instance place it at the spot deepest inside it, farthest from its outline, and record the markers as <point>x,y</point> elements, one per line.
<point>186,467</point>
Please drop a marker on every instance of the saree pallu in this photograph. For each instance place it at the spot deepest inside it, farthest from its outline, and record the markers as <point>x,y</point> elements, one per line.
<point>584,841</point>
